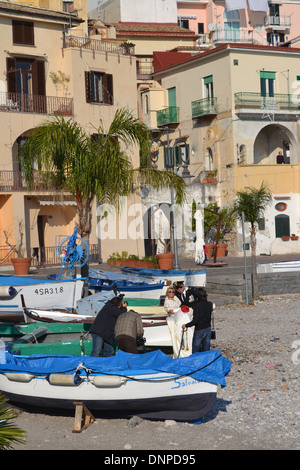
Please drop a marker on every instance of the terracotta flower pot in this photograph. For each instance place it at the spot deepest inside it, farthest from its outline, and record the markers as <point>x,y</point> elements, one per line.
<point>210,249</point>
<point>21,265</point>
<point>165,260</point>
<point>221,250</point>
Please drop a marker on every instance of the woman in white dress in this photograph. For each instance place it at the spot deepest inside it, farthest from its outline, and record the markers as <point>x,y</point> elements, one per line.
<point>177,316</point>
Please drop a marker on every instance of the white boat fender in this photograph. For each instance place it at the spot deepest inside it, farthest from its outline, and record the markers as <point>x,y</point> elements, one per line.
<point>65,379</point>
<point>19,377</point>
<point>107,380</point>
<point>7,291</point>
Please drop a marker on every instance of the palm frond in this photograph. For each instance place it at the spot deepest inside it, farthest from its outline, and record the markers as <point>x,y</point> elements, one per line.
<point>9,434</point>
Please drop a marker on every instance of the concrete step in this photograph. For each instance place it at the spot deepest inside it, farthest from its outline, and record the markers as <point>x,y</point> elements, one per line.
<point>220,299</point>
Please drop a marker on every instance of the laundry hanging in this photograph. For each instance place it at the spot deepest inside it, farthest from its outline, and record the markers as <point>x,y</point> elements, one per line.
<point>235,4</point>
<point>258,5</point>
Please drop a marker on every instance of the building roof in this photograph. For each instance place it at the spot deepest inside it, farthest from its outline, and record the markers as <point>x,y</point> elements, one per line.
<point>165,61</point>
<point>18,9</point>
<point>153,29</point>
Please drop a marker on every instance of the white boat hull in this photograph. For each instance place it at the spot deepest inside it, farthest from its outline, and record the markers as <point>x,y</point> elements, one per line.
<point>161,395</point>
<point>54,295</point>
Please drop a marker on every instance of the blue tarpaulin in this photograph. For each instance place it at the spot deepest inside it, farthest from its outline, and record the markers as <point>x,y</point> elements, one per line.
<point>209,366</point>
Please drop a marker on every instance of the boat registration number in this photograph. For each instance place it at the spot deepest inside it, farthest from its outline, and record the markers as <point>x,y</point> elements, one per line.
<point>49,290</point>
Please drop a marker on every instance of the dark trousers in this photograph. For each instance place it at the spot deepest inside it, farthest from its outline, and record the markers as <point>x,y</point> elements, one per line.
<point>127,344</point>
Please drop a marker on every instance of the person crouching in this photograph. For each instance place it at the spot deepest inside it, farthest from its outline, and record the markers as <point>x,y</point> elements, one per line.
<point>128,329</point>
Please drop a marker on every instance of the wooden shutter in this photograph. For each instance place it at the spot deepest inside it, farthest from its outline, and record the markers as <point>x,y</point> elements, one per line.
<point>107,88</point>
<point>23,32</point>
<point>38,78</point>
<point>88,87</point>
<point>11,74</point>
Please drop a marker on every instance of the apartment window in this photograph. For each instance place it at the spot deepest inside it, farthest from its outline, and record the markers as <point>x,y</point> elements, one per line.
<point>99,87</point>
<point>208,86</point>
<point>181,154</point>
<point>23,32</point>
<point>183,23</point>
<point>68,7</point>
<point>25,76</point>
<point>267,81</point>
<point>200,28</point>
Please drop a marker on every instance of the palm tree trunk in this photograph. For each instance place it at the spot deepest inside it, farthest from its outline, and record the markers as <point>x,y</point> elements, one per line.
<point>255,292</point>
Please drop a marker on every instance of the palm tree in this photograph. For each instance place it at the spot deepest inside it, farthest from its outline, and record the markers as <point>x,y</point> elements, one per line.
<point>252,202</point>
<point>90,167</point>
<point>9,433</point>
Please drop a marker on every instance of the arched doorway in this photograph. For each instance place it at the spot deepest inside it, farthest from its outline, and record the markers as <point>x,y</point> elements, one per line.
<point>269,141</point>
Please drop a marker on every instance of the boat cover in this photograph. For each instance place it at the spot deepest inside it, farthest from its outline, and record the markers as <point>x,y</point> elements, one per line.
<point>209,366</point>
<point>95,274</point>
<point>161,272</point>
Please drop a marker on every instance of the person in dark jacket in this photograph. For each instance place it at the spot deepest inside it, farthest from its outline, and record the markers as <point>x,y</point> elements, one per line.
<point>102,330</point>
<point>184,294</point>
<point>202,310</point>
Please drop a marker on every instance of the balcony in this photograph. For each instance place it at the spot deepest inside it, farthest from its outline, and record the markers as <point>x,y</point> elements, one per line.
<point>204,107</point>
<point>277,103</point>
<point>23,103</point>
<point>15,181</point>
<point>277,22</point>
<point>238,35</point>
<point>97,45</point>
<point>167,116</point>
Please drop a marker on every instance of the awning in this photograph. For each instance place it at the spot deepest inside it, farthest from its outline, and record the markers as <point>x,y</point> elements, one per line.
<point>57,203</point>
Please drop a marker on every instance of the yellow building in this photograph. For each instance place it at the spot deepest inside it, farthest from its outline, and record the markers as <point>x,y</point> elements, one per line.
<point>47,70</point>
<point>237,107</point>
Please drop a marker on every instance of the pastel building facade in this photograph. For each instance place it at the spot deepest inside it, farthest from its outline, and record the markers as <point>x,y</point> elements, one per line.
<point>37,46</point>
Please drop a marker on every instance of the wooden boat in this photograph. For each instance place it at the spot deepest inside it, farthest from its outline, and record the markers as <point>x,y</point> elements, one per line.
<point>150,385</point>
<point>43,293</point>
<point>190,278</point>
<point>143,290</point>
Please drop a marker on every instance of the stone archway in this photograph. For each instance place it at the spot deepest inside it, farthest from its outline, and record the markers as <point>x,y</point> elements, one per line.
<point>272,139</point>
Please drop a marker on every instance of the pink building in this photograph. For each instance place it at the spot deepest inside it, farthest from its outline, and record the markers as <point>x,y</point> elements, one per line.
<point>263,22</point>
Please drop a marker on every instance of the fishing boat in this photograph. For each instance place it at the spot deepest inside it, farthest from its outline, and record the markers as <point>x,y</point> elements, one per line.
<point>43,293</point>
<point>143,290</point>
<point>190,278</point>
<point>150,385</point>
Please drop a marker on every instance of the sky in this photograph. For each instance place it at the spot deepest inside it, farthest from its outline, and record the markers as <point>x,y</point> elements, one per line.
<point>91,4</point>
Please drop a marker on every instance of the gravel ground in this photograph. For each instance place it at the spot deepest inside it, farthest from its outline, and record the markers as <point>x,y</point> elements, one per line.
<point>258,409</point>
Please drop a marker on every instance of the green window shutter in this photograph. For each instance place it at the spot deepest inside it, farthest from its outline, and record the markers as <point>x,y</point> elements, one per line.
<point>208,79</point>
<point>267,75</point>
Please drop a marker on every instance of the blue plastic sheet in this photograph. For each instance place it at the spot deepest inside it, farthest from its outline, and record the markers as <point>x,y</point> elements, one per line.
<point>209,366</point>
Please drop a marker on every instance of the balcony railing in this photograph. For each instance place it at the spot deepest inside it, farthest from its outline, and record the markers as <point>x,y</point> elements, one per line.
<point>281,21</point>
<point>272,103</point>
<point>167,116</point>
<point>97,45</point>
<point>15,181</point>
<point>45,256</point>
<point>23,103</point>
<point>239,35</point>
<point>204,107</point>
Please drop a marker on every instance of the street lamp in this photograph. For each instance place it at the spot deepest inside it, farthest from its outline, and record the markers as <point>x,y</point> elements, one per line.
<point>170,164</point>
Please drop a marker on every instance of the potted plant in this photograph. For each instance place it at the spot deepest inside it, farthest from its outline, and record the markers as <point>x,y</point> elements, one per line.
<point>147,262</point>
<point>214,219</point>
<point>285,238</point>
<point>20,263</point>
<point>165,259</point>
<point>128,46</point>
<point>294,236</point>
<point>210,176</point>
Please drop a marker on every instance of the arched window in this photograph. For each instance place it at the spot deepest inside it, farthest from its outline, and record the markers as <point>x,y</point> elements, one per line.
<point>282,225</point>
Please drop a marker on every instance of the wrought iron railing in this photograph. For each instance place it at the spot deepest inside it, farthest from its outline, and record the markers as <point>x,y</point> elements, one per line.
<point>284,21</point>
<point>45,256</point>
<point>167,116</point>
<point>256,101</point>
<point>204,106</point>
<point>24,103</point>
<point>15,181</point>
